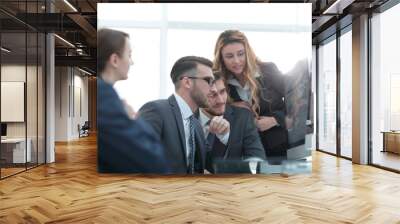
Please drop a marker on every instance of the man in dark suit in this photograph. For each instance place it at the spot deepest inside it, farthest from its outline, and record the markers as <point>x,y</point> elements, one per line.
<point>230,131</point>
<point>124,145</point>
<point>173,119</point>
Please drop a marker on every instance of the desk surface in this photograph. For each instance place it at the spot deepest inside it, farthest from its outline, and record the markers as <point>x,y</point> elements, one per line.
<point>390,132</point>
<point>13,140</point>
<point>273,165</point>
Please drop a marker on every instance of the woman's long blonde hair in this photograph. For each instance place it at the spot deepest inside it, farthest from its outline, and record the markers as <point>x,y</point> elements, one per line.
<point>251,69</point>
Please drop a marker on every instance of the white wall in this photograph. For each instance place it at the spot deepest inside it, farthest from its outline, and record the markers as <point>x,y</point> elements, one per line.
<point>61,103</point>
<point>314,95</point>
<point>15,73</point>
<point>71,94</point>
<point>33,126</point>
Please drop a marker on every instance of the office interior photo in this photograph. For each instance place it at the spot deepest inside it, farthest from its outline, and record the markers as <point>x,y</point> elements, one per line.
<point>48,151</point>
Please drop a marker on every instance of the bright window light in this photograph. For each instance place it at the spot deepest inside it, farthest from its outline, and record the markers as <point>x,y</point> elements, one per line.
<point>143,80</point>
<point>163,33</point>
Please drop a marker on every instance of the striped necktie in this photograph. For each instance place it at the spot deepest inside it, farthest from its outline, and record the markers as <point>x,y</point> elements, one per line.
<point>192,145</point>
<point>210,137</point>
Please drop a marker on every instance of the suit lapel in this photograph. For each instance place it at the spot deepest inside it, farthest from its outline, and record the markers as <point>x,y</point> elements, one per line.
<point>233,93</point>
<point>200,140</point>
<point>179,122</point>
<point>228,115</point>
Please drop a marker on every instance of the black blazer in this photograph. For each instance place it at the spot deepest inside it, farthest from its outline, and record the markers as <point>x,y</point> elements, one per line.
<point>244,141</point>
<point>271,96</point>
<point>124,145</point>
<point>166,119</point>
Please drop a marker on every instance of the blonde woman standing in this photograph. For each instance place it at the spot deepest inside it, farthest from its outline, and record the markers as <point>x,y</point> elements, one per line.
<point>255,85</point>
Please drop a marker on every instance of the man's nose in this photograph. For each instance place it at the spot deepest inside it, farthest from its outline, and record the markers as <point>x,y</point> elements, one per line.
<point>213,88</point>
<point>219,98</point>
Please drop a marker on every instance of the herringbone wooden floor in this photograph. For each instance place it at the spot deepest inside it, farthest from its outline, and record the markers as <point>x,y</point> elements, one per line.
<point>71,191</point>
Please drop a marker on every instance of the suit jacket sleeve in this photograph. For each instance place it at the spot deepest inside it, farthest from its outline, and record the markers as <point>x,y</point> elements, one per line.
<point>152,115</point>
<point>251,142</point>
<point>273,89</point>
<point>125,145</point>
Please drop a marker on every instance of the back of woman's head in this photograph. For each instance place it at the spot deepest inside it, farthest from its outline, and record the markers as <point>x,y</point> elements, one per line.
<point>109,42</point>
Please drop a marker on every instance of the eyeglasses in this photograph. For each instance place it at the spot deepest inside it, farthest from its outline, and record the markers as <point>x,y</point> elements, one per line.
<point>210,80</point>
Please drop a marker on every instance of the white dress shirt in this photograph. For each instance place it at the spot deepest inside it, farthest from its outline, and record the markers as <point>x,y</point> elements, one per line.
<point>243,92</point>
<point>186,112</point>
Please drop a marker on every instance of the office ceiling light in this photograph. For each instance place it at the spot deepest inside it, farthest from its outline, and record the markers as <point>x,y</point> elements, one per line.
<point>65,41</point>
<point>338,6</point>
<point>5,50</point>
<point>80,51</point>
<point>86,72</point>
<point>70,5</point>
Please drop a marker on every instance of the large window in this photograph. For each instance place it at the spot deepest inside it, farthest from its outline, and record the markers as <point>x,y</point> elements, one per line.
<point>146,69</point>
<point>385,87</point>
<point>22,77</point>
<point>327,96</point>
<point>346,94</point>
<point>162,33</point>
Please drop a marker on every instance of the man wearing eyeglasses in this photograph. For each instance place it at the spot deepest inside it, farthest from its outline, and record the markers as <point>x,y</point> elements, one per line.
<point>173,119</point>
<point>230,131</point>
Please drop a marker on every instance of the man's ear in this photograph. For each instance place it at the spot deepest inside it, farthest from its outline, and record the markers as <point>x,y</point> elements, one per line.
<point>114,60</point>
<point>186,83</point>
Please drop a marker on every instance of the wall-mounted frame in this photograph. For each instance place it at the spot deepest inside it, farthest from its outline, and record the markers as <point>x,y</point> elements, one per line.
<point>12,101</point>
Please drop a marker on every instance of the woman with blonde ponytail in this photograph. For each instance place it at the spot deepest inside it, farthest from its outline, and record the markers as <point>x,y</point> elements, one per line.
<point>255,85</point>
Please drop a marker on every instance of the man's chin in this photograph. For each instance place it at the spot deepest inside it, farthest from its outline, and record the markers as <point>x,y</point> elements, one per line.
<point>216,113</point>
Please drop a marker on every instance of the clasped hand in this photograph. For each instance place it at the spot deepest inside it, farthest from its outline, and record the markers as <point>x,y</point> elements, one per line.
<point>219,125</point>
<point>264,123</point>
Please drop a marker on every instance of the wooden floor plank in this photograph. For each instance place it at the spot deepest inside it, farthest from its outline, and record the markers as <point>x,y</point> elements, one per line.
<point>71,191</point>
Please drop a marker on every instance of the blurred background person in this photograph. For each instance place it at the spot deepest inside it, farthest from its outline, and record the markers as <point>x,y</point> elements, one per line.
<point>124,144</point>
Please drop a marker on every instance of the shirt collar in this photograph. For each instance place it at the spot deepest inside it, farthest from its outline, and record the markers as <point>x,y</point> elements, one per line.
<point>203,118</point>
<point>183,106</point>
<point>234,82</point>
